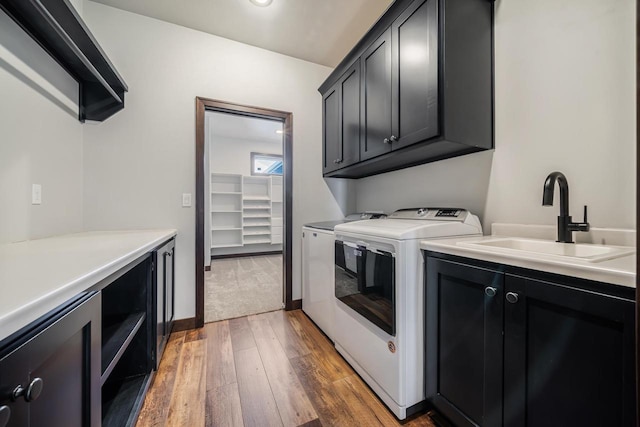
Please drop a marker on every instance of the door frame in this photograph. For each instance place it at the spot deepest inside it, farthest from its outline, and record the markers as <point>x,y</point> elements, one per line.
<point>202,105</point>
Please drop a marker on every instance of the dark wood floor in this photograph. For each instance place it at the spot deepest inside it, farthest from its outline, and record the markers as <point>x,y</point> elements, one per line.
<point>272,369</point>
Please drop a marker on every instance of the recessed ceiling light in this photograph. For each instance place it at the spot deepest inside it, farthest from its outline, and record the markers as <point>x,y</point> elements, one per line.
<point>261,3</point>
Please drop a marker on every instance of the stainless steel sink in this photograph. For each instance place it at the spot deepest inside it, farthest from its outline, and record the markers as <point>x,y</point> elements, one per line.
<point>584,251</point>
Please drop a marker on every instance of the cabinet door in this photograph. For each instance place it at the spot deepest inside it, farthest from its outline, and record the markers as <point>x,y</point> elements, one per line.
<point>159,303</point>
<point>569,356</point>
<point>350,116</point>
<point>415,74</point>
<point>464,342</point>
<point>164,301</point>
<point>169,286</point>
<point>376,98</point>
<point>331,130</point>
<point>62,360</point>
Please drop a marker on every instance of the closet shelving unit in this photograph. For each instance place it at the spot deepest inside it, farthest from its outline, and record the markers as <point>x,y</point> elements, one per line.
<point>276,209</point>
<point>256,210</point>
<point>226,211</point>
<point>245,210</point>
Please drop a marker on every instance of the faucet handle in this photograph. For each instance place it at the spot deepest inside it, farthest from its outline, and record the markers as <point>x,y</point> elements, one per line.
<point>579,226</point>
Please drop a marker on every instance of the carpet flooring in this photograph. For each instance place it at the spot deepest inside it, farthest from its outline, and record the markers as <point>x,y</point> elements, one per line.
<point>238,287</point>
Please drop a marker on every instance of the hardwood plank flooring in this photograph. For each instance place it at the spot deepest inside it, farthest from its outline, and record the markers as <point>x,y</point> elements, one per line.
<point>272,369</point>
<point>187,407</point>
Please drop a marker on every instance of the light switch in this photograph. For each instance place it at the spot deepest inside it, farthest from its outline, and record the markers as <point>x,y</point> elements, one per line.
<point>186,200</point>
<point>36,194</point>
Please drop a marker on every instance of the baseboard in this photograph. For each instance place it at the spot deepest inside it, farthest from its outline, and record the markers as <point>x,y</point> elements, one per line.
<point>184,324</point>
<point>294,305</point>
<point>244,255</point>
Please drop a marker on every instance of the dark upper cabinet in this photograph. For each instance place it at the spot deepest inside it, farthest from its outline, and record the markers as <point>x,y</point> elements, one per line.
<point>50,376</point>
<point>464,342</point>
<point>426,86</point>
<point>375,107</point>
<point>505,348</point>
<point>569,356</point>
<point>341,122</point>
<point>330,130</point>
<point>414,103</point>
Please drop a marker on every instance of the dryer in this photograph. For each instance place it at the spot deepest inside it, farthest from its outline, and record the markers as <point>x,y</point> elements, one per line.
<point>379,292</point>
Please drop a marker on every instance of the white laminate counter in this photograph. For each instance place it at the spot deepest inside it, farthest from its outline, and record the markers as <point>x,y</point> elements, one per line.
<point>37,276</point>
<point>618,271</point>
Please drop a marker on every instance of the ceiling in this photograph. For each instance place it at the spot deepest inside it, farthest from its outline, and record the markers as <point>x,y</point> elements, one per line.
<point>320,31</point>
<point>224,125</point>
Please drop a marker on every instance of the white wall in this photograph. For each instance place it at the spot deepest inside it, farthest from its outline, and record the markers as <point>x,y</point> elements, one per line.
<point>41,141</point>
<point>564,100</point>
<point>139,161</point>
<point>233,155</point>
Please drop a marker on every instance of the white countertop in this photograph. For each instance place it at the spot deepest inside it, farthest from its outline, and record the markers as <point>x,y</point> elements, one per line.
<point>618,271</point>
<point>37,276</point>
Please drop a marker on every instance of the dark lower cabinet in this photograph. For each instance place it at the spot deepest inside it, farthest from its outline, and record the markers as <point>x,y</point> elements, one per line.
<point>164,300</point>
<point>464,342</point>
<point>569,356</point>
<point>505,347</point>
<point>50,372</point>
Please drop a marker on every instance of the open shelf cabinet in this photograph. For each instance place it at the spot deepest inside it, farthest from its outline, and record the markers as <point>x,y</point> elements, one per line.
<point>127,352</point>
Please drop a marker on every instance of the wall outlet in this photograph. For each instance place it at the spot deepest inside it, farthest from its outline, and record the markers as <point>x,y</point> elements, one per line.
<point>36,194</point>
<point>186,200</point>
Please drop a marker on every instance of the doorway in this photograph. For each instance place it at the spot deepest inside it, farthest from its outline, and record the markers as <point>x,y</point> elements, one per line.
<point>243,210</point>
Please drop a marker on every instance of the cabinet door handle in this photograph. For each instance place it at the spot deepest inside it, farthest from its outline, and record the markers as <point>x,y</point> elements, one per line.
<point>386,141</point>
<point>490,291</point>
<point>512,297</point>
<point>5,414</point>
<point>393,138</point>
<point>31,393</point>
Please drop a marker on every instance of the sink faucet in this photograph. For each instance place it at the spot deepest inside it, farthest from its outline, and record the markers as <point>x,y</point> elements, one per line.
<point>565,225</point>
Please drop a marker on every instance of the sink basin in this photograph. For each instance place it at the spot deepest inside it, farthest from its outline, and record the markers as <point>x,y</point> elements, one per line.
<point>584,251</point>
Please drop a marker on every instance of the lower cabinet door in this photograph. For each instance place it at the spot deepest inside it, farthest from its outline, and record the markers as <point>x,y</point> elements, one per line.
<point>463,354</point>
<point>569,356</point>
<point>51,377</point>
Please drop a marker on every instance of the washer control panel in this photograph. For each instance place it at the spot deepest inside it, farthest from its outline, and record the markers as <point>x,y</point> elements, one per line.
<point>433,214</point>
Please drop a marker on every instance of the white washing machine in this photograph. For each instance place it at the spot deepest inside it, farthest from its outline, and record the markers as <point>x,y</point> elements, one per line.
<point>379,294</point>
<point>318,241</point>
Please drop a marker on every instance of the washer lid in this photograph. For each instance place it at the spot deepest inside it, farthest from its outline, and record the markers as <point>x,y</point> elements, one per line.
<point>406,229</point>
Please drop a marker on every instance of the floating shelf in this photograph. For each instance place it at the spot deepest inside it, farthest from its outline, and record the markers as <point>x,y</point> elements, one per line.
<point>60,31</point>
<point>116,339</point>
